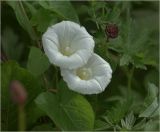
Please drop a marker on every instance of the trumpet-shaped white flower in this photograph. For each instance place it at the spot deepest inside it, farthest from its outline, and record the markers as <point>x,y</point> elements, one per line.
<point>92,78</point>
<point>68,45</point>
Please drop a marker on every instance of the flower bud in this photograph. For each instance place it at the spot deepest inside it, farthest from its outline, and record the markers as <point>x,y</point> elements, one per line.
<point>111,30</point>
<point>18,92</point>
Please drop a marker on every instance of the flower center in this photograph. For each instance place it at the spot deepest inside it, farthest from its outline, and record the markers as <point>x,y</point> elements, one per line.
<point>84,73</point>
<point>67,51</point>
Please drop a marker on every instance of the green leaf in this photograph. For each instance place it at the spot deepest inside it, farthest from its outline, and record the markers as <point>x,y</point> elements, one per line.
<point>11,45</point>
<point>62,8</point>
<point>156,112</point>
<point>116,44</point>
<point>150,106</point>
<point>135,46</point>
<point>125,60</point>
<point>114,14</point>
<point>152,94</point>
<point>69,110</point>
<point>33,114</point>
<point>12,71</point>
<point>152,125</point>
<point>152,76</point>
<point>44,127</point>
<point>31,8</point>
<point>37,61</point>
<point>42,19</point>
<point>117,112</point>
<point>138,63</point>
<point>22,17</point>
<point>129,121</point>
<point>101,125</point>
<point>148,112</point>
<point>140,125</point>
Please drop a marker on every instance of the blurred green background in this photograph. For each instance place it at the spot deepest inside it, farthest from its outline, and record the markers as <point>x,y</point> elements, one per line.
<point>130,102</point>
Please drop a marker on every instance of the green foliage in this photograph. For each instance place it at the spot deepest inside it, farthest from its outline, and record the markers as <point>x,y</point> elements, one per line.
<point>63,9</point>
<point>12,47</point>
<point>133,45</point>
<point>152,125</point>
<point>101,125</point>
<point>44,127</point>
<point>42,19</point>
<point>117,112</point>
<point>129,103</point>
<point>107,15</point>
<point>129,121</point>
<point>22,17</point>
<point>151,104</point>
<point>69,110</point>
<point>37,61</point>
<point>150,109</point>
<point>33,113</point>
<point>12,71</point>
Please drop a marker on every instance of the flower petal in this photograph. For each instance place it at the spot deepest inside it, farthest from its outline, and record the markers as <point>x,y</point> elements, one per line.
<point>78,85</point>
<point>101,77</point>
<point>72,35</point>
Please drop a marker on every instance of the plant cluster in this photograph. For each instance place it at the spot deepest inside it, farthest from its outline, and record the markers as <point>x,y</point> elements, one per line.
<point>34,96</point>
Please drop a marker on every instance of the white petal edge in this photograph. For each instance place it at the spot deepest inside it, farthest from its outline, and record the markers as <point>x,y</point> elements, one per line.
<point>63,33</point>
<point>95,85</point>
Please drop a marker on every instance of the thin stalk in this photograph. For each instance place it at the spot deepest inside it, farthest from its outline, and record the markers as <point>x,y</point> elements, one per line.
<point>106,47</point>
<point>21,118</point>
<point>45,81</point>
<point>56,77</point>
<point>54,90</point>
<point>96,103</point>
<point>130,76</point>
<point>94,15</point>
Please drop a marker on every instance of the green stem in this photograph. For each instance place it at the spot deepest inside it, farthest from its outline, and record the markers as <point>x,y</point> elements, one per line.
<point>21,118</point>
<point>94,15</point>
<point>106,47</point>
<point>96,103</point>
<point>45,81</point>
<point>130,75</point>
<point>56,77</point>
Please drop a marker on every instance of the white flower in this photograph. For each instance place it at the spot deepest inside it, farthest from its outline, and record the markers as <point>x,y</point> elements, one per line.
<point>68,45</point>
<point>91,78</point>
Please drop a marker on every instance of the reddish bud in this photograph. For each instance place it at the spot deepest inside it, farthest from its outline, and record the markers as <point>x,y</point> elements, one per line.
<point>111,30</point>
<point>18,92</point>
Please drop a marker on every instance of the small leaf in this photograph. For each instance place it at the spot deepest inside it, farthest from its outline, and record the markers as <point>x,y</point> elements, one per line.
<point>125,60</point>
<point>69,110</point>
<point>129,121</point>
<point>37,61</point>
